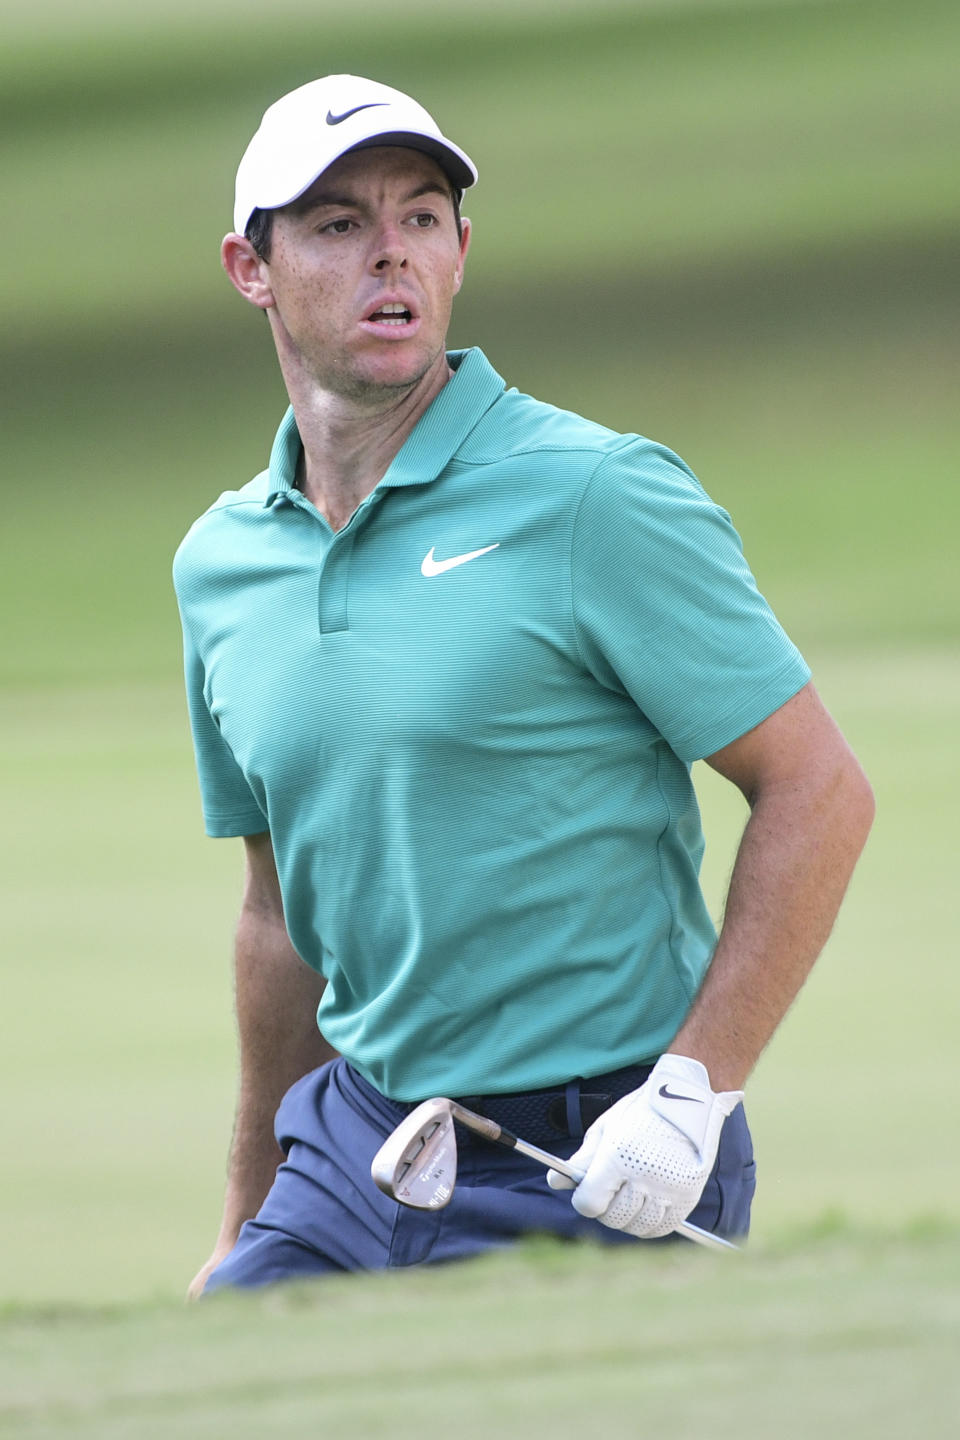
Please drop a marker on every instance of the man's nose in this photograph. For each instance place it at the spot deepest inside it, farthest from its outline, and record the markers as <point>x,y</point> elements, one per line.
<point>389,252</point>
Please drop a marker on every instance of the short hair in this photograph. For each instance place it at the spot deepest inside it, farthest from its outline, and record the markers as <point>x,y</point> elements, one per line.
<point>259,232</point>
<point>259,229</point>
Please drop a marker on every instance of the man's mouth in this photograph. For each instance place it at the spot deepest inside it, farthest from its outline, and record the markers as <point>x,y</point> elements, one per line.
<point>391,315</point>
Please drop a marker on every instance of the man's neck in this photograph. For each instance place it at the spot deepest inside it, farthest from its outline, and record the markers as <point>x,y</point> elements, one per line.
<point>349,444</point>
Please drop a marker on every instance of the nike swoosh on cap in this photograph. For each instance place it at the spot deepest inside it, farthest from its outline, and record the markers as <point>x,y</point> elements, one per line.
<point>669,1095</point>
<point>339,119</point>
<point>430,566</point>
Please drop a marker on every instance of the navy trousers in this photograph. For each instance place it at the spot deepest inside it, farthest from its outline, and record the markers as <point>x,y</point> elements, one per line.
<point>324,1214</point>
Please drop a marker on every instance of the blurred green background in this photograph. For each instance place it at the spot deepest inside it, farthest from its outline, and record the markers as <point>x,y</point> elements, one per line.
<point>731,227</point>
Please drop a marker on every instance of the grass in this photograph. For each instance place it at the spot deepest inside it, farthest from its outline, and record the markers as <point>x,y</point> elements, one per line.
<point>840,1335</point>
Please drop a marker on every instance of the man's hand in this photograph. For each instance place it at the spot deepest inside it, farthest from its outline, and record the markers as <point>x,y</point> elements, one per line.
<point>195,1288</point>
<point>647,1159</point>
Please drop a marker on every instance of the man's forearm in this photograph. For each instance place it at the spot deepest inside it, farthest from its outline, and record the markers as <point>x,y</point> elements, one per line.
<point>276,1001</point>
<point>795,860</point>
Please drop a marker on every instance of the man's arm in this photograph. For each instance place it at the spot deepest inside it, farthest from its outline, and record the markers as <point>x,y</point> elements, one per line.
<point>811,808</point>
<point>276,1002</point>
<point>647,1159</point>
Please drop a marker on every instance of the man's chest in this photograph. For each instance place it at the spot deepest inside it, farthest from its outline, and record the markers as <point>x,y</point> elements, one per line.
<point>422,628</point>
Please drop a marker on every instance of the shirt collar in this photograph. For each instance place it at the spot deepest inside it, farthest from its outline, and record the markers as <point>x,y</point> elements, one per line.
<point>433,441</point>
<point>284,459</point>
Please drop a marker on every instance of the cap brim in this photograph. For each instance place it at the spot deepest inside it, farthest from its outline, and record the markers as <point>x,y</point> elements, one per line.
<point>452,161</point>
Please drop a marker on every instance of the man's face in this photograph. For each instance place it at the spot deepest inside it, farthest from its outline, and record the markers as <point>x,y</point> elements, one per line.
<point>363,270</point>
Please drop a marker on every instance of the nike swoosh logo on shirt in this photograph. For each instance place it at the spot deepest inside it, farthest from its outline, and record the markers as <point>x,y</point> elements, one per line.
<point>430,566</point>
<point>339,119</point>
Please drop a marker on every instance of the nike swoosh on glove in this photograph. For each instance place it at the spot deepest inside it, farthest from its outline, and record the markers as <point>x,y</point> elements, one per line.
<point>646,1160</point>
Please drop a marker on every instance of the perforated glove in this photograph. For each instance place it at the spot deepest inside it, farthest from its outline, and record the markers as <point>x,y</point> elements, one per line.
<point>647,1158</point>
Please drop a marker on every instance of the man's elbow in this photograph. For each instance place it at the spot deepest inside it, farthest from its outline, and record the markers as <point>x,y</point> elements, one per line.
<point>853,801</point>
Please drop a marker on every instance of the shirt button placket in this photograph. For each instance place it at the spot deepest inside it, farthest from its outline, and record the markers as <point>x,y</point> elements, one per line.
<point>334,584</point>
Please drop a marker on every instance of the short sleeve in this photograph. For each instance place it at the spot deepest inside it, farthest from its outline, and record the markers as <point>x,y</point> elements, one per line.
<point>665,605</point>
<point>229,806</point>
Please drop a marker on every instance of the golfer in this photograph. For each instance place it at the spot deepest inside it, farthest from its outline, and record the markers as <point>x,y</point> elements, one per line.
<point>449,660</point>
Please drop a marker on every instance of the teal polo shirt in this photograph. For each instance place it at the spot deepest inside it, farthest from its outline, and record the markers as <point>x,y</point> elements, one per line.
<point>467,719</point>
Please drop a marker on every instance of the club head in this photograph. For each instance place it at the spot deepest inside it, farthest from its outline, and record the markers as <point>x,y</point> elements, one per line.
<point>417,1164</point>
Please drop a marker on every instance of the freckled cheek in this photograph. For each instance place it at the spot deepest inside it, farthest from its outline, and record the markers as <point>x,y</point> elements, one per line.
<point>321,302</point>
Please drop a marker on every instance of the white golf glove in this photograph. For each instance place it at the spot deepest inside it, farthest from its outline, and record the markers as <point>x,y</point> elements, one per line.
<point>647,1158</point>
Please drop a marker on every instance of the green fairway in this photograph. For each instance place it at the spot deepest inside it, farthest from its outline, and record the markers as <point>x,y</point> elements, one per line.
<point>730,226</point>
<point>844,1338</point>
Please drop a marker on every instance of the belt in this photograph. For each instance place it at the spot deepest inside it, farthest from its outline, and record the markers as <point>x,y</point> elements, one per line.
<point>558,1110</point>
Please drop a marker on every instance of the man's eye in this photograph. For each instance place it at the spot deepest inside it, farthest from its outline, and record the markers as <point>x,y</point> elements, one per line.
<point>336,227</point>
<point>425,220</point>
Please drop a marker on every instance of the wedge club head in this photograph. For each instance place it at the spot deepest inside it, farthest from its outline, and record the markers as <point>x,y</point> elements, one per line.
<point>417,1164</point>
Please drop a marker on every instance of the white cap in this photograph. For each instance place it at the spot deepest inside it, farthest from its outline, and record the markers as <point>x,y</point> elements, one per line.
<point>304,132</point>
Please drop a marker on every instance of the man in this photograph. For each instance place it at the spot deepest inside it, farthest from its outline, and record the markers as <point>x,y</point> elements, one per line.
<point>449,660</point>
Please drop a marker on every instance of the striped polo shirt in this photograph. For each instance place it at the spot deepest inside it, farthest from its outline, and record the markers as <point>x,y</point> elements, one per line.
<point>467,719</point>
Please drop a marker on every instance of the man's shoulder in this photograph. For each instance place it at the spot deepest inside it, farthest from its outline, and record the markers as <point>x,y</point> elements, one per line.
<point>521,424</point>
<point>522,430</point>
<point>201,541</point>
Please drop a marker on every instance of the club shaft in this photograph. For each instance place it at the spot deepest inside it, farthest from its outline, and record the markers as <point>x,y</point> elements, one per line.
<point>490,1130</point>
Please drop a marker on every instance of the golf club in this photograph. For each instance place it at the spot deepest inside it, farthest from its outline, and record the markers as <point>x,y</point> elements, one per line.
<point>417,1164</point>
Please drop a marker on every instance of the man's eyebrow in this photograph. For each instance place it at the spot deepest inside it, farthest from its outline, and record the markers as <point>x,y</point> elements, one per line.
<point>429,187</point>
<point>306,203</point>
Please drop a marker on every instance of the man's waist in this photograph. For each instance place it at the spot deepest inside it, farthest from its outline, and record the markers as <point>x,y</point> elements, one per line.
<point>557,1111</point>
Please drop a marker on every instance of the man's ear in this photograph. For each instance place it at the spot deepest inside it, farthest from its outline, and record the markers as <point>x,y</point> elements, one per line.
<point>466,231</point>
<point>248,273</point>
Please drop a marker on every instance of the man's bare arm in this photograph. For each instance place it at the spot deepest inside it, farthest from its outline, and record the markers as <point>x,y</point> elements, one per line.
<point>276,1002</point>
<point>811,810</point>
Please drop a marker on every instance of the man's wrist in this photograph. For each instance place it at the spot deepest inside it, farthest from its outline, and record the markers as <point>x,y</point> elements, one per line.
<point>723,1073</point>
